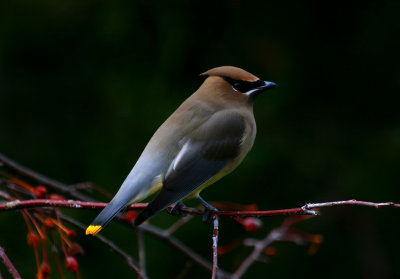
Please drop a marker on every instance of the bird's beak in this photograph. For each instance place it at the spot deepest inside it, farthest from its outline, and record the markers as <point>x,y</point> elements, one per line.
<point>268,85</point>
<point>264,86</point>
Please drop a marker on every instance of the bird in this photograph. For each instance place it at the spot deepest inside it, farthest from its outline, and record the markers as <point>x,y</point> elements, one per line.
<point>206,138</point>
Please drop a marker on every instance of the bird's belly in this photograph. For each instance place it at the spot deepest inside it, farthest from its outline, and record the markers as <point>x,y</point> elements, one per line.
<point>226,170</point>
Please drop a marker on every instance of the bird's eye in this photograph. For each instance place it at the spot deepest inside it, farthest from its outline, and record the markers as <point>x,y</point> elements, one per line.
<point>243,86</point>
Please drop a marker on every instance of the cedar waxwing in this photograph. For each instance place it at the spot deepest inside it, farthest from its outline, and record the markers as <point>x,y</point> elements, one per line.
<point>203,140</point>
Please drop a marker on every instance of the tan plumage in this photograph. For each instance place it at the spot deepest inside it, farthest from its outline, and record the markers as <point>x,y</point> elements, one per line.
<point>203,140</point>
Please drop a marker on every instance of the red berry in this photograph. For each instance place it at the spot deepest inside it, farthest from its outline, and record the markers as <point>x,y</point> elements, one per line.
<point>251,224</point>
<point>33,239</point>
<point>71,264</point>
<point>49,223</point>
<point>71,233</point>
<point>40,192</point>
<point>75,249</point>
<point>45,269</point>
<point>270,251</point>
<point>129,216</point>
<point>56,197</point>
<point>252,207</point>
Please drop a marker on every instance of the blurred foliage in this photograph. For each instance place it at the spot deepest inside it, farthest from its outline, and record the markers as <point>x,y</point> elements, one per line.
<point>84,84</point>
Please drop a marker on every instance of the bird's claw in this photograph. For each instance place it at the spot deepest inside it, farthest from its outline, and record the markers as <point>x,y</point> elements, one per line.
<point>208,215</point>
<point>177,210</point>
<point>209,211</point>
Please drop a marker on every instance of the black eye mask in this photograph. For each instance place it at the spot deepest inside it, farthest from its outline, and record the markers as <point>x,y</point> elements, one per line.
<point>244,86</point>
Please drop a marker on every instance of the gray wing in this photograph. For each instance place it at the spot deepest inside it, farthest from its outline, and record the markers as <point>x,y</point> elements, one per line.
<point>204,153</point>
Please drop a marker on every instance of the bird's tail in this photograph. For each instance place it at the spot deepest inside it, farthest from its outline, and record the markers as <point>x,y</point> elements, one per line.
<point>108,213</point>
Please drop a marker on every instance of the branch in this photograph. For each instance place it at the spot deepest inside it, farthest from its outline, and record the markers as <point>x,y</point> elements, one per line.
<point>304,210</point>
<point>20,204</point>
<point>13,271</point>
<point>215,248</point>
<point>166,235</point>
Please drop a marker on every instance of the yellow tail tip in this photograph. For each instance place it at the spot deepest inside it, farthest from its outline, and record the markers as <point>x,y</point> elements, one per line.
<point>93,230</point>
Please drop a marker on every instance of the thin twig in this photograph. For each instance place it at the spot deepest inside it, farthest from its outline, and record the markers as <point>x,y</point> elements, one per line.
<point>128,259</point>
<point>41,179</point>
<point>9,265</point>
<point>309,206</point>
<point>215,248</point>
<point>259,246</point>
<point>142,251</point>
<point>164,235</point>
<point>183,273</point>
<point>5,196</point>
<point>178,224</point>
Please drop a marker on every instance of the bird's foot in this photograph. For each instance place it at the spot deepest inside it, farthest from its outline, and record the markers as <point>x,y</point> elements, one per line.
<point>209,211</point>
<point>208,216</point>
<point>177,210</point>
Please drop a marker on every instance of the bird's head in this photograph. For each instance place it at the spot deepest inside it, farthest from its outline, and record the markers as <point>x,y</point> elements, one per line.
<point>239,81</point>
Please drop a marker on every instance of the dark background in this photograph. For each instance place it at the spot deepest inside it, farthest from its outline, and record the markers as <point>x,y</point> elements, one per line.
<point>84,84</point>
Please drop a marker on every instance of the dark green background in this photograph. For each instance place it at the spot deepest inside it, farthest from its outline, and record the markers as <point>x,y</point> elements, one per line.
<point>84,84</point>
